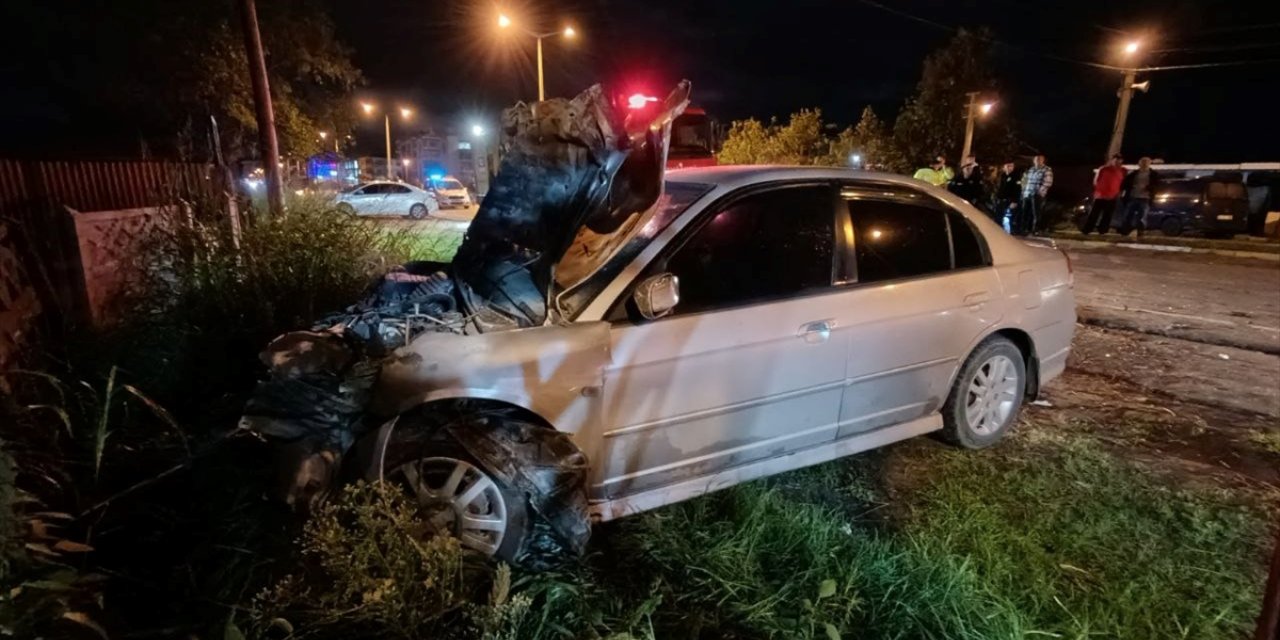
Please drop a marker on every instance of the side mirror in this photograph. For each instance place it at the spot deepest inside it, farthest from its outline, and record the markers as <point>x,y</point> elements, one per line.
<point>657,295</point>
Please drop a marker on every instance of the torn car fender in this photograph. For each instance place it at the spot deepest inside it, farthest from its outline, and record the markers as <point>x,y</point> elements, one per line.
<point>555,371</point>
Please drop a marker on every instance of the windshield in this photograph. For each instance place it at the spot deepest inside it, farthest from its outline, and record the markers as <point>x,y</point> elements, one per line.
<point>448,184</point>
<point>352,188</point>
<point>676,198</point>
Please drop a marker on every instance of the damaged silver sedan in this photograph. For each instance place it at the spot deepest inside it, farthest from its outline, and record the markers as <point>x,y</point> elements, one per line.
<point>610,340</point>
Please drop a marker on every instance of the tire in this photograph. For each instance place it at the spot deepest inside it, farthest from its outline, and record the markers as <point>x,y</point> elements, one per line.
<point>456,494</point>
<point>1171,226</point>
<point>346,208</point>
<point>998,403</point>
<point>418,211</point>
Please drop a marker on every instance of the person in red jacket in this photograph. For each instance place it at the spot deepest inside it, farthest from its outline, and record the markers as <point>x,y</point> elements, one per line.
<point>1106,188</point>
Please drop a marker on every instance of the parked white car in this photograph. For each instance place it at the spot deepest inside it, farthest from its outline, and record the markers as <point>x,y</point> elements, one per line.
<point>388,199</point>
<point>451,193</point>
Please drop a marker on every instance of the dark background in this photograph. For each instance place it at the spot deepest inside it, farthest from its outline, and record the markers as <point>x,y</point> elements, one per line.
<point>767,59</point>
<point>762,59</point>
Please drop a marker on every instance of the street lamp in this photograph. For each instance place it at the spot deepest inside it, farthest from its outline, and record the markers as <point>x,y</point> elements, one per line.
<point>405,113</point>
<point>477,130</point>
<point>505,22</point>
<point>971,113</point>
<point>1127,85</point>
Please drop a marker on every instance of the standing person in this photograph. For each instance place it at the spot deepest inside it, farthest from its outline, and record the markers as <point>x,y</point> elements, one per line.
<point>968,182</point>
<point>1138,188</point>
<point>1106,188</point>
<point>1035,186</point>
<point>1008,192</point>
<point>936,174</point>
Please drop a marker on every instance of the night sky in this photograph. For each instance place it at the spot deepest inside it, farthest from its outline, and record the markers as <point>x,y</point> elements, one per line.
<point>448,60</point>
<point>767,59</point>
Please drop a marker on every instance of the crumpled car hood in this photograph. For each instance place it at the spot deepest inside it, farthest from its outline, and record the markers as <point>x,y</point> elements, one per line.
<point>576,182</point>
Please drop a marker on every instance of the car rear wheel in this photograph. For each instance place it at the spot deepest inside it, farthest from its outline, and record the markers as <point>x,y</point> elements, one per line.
<point>418,211</point>
<point>458,497</point>
<point>1171,226</point>
<point>986,396</point>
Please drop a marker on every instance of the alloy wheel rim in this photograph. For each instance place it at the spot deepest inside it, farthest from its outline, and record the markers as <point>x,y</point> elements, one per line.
<point>992,392</point>
<point>456,497</point>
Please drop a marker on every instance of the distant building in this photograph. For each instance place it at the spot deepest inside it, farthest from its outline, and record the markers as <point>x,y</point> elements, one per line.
<point>432,155</point>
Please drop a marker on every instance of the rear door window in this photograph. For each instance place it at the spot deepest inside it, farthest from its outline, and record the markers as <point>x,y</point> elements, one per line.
<point>970,251</point>
<point>894,239</point>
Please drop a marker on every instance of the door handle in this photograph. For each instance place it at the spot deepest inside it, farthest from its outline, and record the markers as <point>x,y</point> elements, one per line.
<point>817,332</point>
<point>975,301</point>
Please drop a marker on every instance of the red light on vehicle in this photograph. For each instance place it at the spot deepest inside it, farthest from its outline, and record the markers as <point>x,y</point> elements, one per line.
<point>639,101</point>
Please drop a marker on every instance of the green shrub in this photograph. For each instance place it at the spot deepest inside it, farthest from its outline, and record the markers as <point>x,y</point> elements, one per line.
<point>204,307</point>
<point>369,570</point>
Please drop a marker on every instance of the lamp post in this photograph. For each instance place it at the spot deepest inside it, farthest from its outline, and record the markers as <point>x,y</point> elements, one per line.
<point>972,111</point>
<point>405,113</point>
<point>1127,85</point>
<point>505,22</point>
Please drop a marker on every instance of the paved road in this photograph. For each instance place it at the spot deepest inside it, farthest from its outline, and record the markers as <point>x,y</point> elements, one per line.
<point>1205,298</point>
<point>1200,327</point>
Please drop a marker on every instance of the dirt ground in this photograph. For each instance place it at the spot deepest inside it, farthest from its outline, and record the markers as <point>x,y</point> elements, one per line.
<point>1175,363</point>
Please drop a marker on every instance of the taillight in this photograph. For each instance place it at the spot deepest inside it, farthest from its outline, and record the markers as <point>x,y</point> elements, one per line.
<point>1071,270</point>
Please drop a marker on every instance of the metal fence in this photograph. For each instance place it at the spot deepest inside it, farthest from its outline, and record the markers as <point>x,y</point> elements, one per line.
<point>101,186</point>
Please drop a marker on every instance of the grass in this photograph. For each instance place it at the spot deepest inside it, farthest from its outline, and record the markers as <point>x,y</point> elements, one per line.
<point>435,240</point>
<point>1032,539</point>
<point>1268,440</point>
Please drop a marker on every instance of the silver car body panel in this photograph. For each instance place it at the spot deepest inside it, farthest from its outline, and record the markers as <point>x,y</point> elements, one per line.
<point>673,408</point>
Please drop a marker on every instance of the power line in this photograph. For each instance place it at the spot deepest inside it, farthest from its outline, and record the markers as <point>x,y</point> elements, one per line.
<point>939,25</point>
<point>1234,47</point>
<point>1207,65</point>
<point>1050,56</point>
<point>1243,27</point>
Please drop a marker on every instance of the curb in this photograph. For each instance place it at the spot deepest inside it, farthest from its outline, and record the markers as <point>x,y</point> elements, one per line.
<point>1100,244</point>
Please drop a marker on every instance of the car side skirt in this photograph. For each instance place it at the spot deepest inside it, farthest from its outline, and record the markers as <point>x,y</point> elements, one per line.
<point>605,510</point>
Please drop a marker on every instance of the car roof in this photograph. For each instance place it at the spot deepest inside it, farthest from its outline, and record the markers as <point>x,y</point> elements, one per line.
<point>733,176</point>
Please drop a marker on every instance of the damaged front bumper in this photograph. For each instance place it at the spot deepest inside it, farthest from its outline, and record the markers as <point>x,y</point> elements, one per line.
<point>576,182</point>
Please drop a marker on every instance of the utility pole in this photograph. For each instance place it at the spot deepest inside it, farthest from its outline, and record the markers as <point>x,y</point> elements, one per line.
<point>1122,112</point>
<point>390,169</point>
<point>267,145</point>
<point>542,93</point>
<point>972,111</point>
<point>970,115</point>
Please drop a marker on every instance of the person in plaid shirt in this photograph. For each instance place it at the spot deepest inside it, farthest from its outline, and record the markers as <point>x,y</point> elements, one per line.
<point>1035,186</point>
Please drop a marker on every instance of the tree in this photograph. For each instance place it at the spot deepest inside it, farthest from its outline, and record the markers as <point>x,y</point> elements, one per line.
<point>799,142</point>
<point>932,120</point>
<point>160,68</point>
<point>746,143</point>
<point>311,76</point>
<point>871,140</point>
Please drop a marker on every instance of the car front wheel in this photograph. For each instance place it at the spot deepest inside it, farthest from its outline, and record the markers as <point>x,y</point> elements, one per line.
<point>455,496</point>
<point>418,211</point>
<point>986,396</point>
